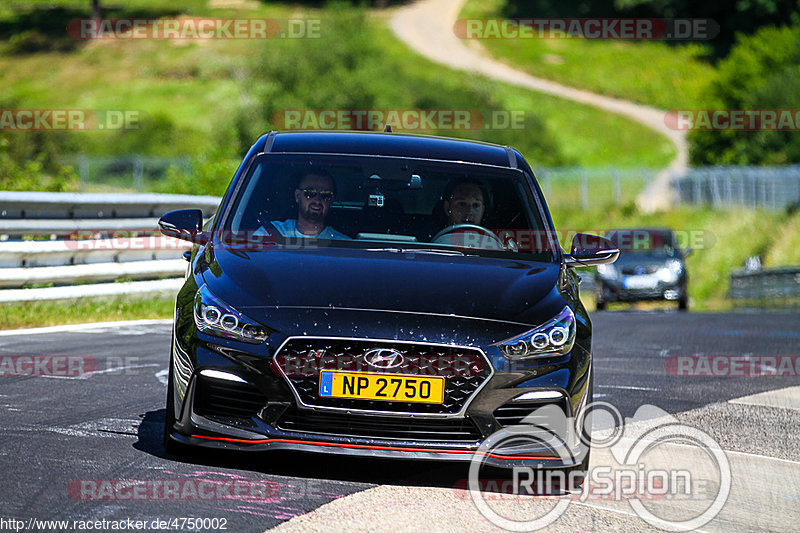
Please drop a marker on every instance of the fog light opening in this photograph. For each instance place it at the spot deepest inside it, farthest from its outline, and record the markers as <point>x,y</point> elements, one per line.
<point>671,294</point>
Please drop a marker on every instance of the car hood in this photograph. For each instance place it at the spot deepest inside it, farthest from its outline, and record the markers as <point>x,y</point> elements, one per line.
<point>646,261</point>
<point>405,282</point>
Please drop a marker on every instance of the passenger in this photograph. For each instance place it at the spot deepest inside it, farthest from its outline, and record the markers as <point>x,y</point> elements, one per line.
<point>314,196</point>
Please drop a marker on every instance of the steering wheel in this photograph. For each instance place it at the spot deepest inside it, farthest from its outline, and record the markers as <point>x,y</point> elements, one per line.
<point>470,227</point>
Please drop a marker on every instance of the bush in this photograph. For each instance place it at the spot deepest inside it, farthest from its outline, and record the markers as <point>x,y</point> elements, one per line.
<point>733,16</point>
<point>33,41</point>
<point>23,168</point>
<point>762,72</point>
<point>350,68</point>
<point>209,174</point>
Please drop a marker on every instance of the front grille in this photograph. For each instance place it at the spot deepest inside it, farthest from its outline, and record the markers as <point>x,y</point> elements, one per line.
<point>380,427</point>
<point>633,294</point>
<point>638,270</point>
<point>464,369</point>
<point>222,398</point>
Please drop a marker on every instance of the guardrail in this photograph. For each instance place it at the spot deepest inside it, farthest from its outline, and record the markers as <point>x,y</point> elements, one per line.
<point>91,239</point>
<point>767,284</point>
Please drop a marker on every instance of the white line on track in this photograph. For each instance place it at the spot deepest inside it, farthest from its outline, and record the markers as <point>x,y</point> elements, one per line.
<point>105,371</point>
<point>627,387</point>
<point>611,510</point>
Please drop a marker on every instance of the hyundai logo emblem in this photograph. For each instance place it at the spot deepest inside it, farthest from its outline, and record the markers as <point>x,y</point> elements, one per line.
<point>383,358</point>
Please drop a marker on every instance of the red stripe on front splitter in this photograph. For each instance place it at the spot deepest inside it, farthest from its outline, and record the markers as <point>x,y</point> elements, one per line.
<point>389,448</point>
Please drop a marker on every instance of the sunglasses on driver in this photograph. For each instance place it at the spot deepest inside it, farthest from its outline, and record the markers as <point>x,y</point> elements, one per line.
<point>311,192</point>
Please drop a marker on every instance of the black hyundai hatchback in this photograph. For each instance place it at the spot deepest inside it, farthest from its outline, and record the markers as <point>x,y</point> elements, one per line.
<point>378,294</point>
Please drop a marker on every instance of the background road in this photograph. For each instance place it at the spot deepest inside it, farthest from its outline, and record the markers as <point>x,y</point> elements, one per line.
<point>427,27</point>
<point>59,431</point>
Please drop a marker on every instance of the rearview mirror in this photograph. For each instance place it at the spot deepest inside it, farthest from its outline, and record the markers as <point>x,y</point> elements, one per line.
<point>184,224</point>
<point>588,250</point>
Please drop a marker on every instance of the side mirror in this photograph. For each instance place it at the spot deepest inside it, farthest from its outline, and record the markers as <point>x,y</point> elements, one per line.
<point>588,250</point>
<point>184,224</point>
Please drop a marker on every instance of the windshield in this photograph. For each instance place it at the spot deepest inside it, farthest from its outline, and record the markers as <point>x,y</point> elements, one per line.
<point>636,244</point>
<point>388,202</point>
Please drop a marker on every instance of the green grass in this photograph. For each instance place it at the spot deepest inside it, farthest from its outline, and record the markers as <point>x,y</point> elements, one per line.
<point>192,94</point>
<point>595,186</point>
<point>648,72</point>
<point>50,313</point>
<point>785,249</point>
<point>590,137</point>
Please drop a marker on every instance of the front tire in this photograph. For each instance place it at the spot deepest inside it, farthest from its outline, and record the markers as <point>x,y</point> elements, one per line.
<point>171,446</point>
<point>582,470</point>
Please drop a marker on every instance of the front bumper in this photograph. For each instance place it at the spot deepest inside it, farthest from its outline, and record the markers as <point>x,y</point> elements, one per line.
<point>615,291</point>
<point>249,403</point>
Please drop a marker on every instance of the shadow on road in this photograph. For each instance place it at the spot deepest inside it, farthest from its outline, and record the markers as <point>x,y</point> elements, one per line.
<point>366,470</point>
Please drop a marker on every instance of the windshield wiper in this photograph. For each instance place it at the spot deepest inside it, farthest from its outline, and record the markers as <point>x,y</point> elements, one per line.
<point>438,251</point>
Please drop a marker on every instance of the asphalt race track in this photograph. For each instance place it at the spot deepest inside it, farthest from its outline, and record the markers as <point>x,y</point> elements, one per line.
<point>88,447</point>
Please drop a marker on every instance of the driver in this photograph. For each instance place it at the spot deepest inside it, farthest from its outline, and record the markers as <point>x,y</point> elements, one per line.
<point>314,196</point>
<point>464,202</point>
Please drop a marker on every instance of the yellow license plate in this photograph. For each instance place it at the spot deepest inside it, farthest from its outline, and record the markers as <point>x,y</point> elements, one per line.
<point>389,387</point>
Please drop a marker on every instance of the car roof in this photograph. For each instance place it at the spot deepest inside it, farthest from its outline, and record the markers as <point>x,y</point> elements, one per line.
<point>658,230</point>
<point>666,234</point>
<point>391,144</point>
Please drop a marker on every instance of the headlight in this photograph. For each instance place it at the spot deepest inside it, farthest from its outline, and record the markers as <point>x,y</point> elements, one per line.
<point>671,272</point>
<point>607,271</point>
<point>215,317</point>
<point>556,337</point>
<point>675,266</point>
